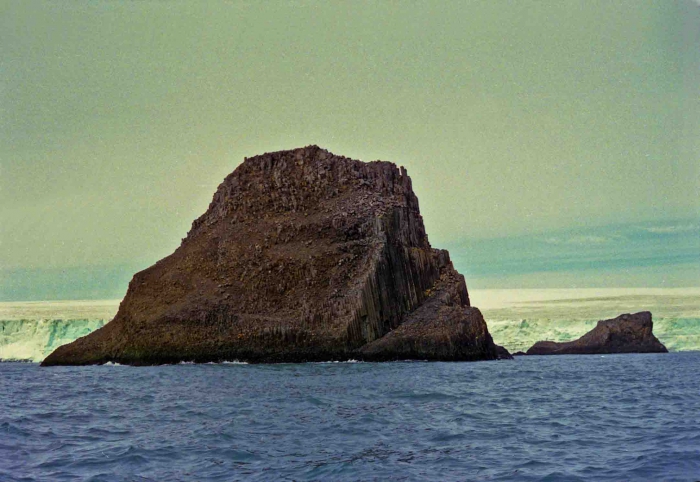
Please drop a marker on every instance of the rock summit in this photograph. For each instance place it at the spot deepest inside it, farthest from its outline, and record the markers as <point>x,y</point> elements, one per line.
<point>301,256</point>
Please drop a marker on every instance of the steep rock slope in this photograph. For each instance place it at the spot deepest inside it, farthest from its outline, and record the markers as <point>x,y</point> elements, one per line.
<point>625,334</point>
<point>301,256</point>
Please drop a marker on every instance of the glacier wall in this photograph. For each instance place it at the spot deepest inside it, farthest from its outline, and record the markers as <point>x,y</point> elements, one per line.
<point>29,331</point>
<point>33,340</point>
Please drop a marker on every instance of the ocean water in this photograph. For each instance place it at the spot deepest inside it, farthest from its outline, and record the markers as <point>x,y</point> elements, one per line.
<point>29,331</point>
<point>565,418</point>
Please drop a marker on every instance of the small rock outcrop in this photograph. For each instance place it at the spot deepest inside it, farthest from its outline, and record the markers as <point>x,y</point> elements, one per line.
<point>503,353</point>
<point>628,333</point>
<point>302,256</point>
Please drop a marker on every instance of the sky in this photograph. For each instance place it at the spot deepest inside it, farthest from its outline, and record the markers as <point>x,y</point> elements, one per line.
<point>551,143</point>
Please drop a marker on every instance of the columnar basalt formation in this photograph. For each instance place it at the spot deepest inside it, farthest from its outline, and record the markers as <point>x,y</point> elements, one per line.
<point>302,256</point>
<point>625,334</point>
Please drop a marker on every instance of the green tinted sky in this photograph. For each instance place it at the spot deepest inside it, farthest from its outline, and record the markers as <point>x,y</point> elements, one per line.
<point>119,119</point>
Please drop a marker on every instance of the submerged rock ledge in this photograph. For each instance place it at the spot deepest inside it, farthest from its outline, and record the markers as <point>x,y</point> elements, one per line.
<point>302,256</point>
<point>628,333</point>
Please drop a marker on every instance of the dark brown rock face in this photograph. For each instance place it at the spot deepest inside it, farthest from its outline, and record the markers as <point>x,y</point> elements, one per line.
<point>301,256</point>
<point>443,328</point>
<point>624,334</point>
<point>503,353</point>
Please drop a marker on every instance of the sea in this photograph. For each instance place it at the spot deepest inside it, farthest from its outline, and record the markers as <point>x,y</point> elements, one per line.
<point>627,417</point>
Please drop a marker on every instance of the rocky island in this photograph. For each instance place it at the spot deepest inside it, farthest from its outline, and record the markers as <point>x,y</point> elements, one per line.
<point>301,256</point>
<point>628,333</point>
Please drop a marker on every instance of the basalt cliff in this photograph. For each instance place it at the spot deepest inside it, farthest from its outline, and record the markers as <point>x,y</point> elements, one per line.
<point>302,256</point>
<point>625,334</point>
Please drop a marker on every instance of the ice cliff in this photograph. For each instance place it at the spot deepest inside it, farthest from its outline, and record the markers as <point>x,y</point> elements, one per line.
<point>33,340</point>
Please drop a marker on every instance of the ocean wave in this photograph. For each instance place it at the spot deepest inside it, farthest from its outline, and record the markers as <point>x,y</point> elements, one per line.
<point>536,418</point>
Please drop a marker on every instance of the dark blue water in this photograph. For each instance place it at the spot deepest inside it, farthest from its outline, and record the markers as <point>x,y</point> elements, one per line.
<point>618,417</point>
